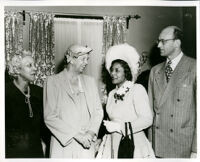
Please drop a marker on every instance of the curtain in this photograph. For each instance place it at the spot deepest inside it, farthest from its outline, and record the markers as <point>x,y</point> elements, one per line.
<point>80,31</point>
<point>92,34</point>
<point>65,35</point>
<point>13,34</point>
<point>42,44</point>
<point>114,31</point>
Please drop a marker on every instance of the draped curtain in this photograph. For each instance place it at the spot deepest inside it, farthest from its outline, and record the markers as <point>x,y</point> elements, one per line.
<point>42,44</point>
<point>114,31</point>
<point>88,32</point>
<point>13,34</point>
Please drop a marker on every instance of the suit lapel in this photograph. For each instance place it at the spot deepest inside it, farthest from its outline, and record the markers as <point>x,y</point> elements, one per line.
<point>174,80</point>
<point>160,81</point>
<point>160,78</point>
<point>179,71</point>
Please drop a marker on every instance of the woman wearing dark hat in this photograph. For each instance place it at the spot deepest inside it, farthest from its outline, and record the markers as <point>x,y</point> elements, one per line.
<point>24,123</point>
<point>72,108</point>
<point>128,102</point>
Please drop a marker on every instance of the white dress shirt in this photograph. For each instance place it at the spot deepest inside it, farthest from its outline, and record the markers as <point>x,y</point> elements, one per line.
<point>175,61</point>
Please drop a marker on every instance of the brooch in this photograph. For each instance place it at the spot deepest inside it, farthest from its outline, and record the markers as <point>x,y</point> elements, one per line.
<point>120,93</point>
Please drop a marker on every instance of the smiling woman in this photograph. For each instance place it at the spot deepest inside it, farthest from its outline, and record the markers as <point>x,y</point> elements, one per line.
<point>127,103</point>
<point>72,108</point>
<point>120,72</point>
<point>23,114</point>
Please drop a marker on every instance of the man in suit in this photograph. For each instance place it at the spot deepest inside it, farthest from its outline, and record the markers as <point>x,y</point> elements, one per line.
<point>172,94</point>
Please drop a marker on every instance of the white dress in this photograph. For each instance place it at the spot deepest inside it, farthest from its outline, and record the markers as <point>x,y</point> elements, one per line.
<point>134,108</point>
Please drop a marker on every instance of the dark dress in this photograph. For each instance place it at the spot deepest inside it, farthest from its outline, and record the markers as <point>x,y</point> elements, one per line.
<point>23,133</point>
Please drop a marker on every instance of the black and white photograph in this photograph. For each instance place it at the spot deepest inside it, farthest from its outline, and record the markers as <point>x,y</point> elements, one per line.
<point>99,80</point>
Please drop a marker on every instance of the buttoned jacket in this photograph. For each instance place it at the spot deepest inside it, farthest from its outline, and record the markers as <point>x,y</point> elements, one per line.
<point>173,132</point>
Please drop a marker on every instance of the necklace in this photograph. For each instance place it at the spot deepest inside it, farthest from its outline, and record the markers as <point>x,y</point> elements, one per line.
<point>27,99</point>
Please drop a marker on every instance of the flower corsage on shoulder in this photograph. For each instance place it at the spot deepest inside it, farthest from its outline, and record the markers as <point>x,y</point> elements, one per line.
<point>121,92</point>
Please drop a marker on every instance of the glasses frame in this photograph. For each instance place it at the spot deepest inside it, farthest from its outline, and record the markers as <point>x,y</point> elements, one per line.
<point>164,41</point>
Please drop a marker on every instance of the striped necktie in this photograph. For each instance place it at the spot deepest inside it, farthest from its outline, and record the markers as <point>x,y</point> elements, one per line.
<point>168,70</point>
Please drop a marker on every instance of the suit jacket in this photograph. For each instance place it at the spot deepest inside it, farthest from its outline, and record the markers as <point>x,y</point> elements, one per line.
<point>174,103</point>
<point>60,112</point>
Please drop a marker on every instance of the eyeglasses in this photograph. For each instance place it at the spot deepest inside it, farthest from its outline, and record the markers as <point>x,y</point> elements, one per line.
<point>163,41</point>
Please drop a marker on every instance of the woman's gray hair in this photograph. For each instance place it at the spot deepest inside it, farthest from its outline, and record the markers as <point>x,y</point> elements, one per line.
<point>15,63</point>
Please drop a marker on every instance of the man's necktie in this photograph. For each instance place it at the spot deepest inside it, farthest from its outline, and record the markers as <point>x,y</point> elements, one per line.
<point>168,70</point>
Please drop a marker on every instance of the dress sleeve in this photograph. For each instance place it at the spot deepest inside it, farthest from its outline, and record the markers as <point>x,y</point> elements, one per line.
<point>142,109</point>
<point>98,110</point>
<point>60,129</point>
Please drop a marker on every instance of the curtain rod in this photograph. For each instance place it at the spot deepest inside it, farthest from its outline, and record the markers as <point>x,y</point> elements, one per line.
<point>90,16</point>
<point>79,16</point>
<point>82,16</point>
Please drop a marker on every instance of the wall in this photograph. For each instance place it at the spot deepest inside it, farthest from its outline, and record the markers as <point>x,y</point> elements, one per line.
<point>142,33</point>
<point>189,30</point>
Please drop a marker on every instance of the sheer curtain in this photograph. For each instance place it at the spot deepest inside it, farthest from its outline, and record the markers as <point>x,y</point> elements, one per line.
<point>80,31</point>
<point>114,32</point>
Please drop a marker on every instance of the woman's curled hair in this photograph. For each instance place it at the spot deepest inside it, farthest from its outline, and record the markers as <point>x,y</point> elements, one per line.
<point>15,63</point>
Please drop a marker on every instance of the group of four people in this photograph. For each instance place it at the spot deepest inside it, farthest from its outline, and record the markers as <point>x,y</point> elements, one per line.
<point>72,111</point>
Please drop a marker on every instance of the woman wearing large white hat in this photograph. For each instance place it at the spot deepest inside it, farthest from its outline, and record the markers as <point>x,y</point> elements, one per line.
<point>128,102</point>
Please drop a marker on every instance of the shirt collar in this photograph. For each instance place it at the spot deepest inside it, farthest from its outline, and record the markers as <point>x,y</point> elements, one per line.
<point>175,61</point>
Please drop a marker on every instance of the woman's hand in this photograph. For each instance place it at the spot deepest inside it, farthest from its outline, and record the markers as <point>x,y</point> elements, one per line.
<point>112,126</point>
<point>83,139</point>
<point>91,136</point>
